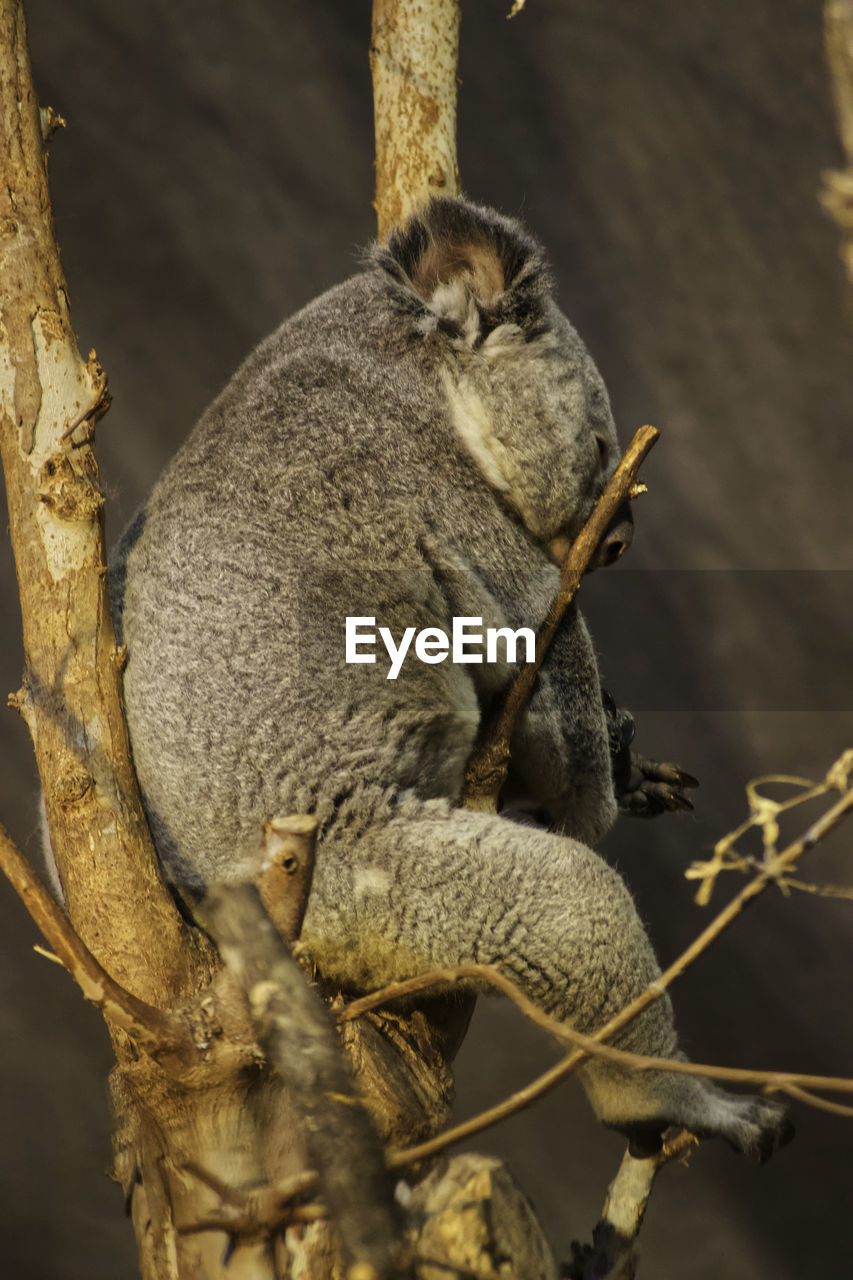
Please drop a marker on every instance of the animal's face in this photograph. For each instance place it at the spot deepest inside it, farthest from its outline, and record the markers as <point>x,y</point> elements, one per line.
<point>534,415</point>
<point>523,393</point>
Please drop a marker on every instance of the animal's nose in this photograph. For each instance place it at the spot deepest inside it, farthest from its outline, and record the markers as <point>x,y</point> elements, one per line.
<point>616,540</point>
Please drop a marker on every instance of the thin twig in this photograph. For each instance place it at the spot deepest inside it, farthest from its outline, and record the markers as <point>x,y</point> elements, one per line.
<point>255,1213</point>
<point>764,813</point>
<point>590,1044</point>
<point>489,761</point>
<point>819,890</point>
<point>774,1081</point>
<point>822,1104</point>
<point>149,1027</point>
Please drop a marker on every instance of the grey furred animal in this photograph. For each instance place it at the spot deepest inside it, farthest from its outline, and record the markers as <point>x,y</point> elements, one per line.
<point>418,444</point>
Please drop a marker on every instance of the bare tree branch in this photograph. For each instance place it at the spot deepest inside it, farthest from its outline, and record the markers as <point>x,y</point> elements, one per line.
<point>211,1151</point>
<point>49,401</point>
<point>789,1082</point>
<point>764,813</point>
<point>299,1042</point>
<point>628,1193</point>
<point>150,1028</point>
<point>822,1104</point>
<point>413,57</point>
<point>489,761</point>
<point>288,869</point>
<point>611,1253</point>
<point>257,1212</point>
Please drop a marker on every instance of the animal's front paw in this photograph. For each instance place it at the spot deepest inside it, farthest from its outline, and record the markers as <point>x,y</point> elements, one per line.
<point>644,788</point>
<point>651,787</point>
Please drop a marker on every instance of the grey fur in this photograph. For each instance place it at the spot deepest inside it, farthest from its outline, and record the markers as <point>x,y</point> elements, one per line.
<point>404,448</point>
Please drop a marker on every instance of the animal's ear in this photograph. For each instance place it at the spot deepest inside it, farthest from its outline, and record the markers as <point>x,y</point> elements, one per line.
<point>466,265</point>
<point>468,269</point>
<point>459,281</point>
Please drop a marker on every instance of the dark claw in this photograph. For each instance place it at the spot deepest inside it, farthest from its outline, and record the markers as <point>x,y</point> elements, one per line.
<point>660,771</point>
<point>644,788</point>
<point>648,803</point>
<point>668,797</point>
<point>675,800</point>
<point>770,1142</point>
<point>645,798</point>
<point>765,1127</point>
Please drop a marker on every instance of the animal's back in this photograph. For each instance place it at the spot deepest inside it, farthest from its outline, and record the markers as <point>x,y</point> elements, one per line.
<point>324,482</point>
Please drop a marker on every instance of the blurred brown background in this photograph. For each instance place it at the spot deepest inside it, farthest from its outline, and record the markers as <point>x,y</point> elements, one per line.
<point>216,173</point>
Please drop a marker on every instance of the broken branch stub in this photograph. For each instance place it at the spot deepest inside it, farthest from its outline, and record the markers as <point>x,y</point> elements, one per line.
<point>284,882</point>
<point>301,1045</point>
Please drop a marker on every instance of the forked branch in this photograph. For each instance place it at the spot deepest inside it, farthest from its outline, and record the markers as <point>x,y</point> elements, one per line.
<point>151,1029</point>
<point>50,398</point>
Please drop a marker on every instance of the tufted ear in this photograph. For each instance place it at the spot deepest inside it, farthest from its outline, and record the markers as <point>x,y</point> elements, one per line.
<point>477,267</point>
<point>469,269</point>
<point>458,280</point>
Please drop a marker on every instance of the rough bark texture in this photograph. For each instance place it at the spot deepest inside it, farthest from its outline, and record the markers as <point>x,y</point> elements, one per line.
<point>476,1222</point>
<point>49,401</point>
<point>413,57</point>
<point>302,1050</point>
<point>214,1110</point>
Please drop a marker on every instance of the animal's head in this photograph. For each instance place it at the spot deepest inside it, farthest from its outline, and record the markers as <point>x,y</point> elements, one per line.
<point>525,397</point>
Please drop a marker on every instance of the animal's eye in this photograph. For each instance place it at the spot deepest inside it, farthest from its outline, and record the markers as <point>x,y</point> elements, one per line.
<point>602,448</point>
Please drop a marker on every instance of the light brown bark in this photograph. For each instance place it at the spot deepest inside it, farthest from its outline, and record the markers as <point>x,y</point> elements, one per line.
<point>413,58</point>
<point>50,399</point>
<point>487,768</point>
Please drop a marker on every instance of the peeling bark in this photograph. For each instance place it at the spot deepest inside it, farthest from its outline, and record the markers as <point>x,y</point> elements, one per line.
<point>469,1216</point>
<point>50,398</point>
